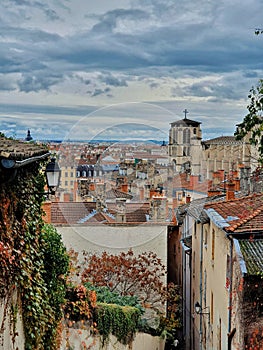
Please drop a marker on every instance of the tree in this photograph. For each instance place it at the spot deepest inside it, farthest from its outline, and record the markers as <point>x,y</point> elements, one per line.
<point>252,124</point>
<point>127,274</point>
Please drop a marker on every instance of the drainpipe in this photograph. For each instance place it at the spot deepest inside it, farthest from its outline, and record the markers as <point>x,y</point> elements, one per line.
<point>201,288</point>
<point>229,332</point>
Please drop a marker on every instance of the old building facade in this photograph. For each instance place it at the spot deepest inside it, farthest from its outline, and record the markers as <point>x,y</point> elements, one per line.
<point>189,153</point>
<point>222,268</point>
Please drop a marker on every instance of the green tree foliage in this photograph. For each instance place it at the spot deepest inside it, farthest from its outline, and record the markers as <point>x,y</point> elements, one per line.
<point>252,124</point>
<point>56,265</point>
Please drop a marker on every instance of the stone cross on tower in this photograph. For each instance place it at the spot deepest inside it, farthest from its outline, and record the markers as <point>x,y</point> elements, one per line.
<point>185,112</point>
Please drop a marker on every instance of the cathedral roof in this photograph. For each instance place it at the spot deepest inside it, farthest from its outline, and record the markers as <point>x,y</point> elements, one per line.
<point>185,122</point>
<point>222,140</point>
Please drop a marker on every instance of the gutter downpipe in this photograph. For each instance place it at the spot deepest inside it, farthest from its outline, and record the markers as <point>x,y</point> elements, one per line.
<point>20,163</point>
<point>201,289</point>
<point>229,332</point>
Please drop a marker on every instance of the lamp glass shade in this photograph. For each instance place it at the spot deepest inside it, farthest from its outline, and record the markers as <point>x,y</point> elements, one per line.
<point>7,163</point>
<point>52,174</point>
<point>197,307</point>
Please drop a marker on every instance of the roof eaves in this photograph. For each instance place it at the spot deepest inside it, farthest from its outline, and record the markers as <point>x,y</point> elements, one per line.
<point>217,219</point>
<point>241,259</point>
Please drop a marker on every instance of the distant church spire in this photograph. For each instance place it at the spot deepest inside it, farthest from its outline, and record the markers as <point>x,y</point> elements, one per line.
<point>29,137</point>
<point>185,112</point>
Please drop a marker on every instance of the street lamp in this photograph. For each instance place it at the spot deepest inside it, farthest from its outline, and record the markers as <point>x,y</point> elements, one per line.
<point>199,310</point>
<point>53,174</point>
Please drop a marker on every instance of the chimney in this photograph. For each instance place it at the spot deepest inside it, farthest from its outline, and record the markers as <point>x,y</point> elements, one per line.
<point>244,178</point>
<point>230,191</point>
<point>141,193</point>
<point>237,184</point>
<point>221,174</point>
<point>46,206</point>
<point>66,197</point>
<point>216,178</point>
<point>152,192</point>
<point>75,191</point>
<point>159,208</point>
<point>120,210</point>
<point>92,186</point>
<point>213,192</point>
<point>188,199</point>
<point>194,179</point>
<point>124,188</point>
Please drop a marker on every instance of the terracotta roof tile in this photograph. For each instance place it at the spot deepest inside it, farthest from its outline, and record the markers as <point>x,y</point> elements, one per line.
<point>69,213</point>
<point>243,214</point>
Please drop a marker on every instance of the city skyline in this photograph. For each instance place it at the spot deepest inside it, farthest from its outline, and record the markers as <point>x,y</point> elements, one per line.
<point>126,68</point>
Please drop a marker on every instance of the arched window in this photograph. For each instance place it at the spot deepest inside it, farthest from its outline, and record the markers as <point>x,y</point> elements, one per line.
<point>186,136</point>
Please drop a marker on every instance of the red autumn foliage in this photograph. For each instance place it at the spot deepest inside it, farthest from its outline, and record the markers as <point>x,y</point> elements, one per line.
<point>127,274</point>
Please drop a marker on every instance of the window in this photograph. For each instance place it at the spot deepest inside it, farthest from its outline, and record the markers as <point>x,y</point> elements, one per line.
<point>213,246</point>
<point>212,307</point>
<point>194,131</point>
<point>66,183</point>
<point>186,136</point>
<point>205,240</point>
<point>194,265</point>
<point>66,174</point>
<point>71,174</point>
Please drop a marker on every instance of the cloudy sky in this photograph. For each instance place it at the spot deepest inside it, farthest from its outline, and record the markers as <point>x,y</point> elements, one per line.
<point>83,68</point>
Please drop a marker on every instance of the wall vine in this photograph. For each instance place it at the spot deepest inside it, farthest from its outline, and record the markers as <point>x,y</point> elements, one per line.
<point>33,260</point>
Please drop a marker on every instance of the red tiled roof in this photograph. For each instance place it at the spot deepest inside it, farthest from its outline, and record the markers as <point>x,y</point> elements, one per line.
<point>135,212</point>
<point>242,214</point>
<point>115,193</point>
<point>70,212</point>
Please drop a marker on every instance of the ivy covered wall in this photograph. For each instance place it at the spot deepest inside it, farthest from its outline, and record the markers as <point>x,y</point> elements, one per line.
<point>33,260</point>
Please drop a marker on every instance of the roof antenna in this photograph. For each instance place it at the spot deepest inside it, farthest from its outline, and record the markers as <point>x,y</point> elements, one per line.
<point>185,112</point>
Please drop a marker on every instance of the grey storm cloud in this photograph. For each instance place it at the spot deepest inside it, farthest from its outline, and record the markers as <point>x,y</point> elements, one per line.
<point>106,46</point>
<point>75,45</point>
<point>97,92</point>
<point>30,82</point>
<point>112,80</point>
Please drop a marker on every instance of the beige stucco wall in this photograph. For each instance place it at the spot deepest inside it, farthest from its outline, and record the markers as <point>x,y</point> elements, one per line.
<point>115,239</point>
<point>76,338</point>
<point>213,282</point>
